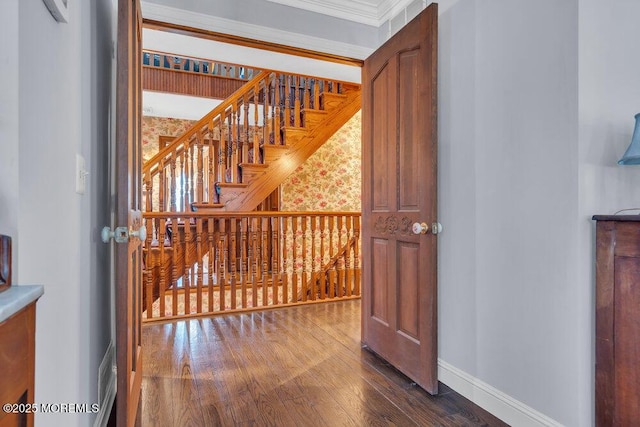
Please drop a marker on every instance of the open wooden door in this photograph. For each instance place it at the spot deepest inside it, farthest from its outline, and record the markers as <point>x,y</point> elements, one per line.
<point>128,248</point>
<point>399,157</point>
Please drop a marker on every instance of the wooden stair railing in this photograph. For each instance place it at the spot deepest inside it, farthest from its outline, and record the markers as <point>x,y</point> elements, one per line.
<point>323,283</point>
<point>238,154</point>
<point>232,160</point>
<point>235,261</point>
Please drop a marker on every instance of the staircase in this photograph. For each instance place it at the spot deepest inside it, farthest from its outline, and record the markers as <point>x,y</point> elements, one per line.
<point>230,161</point>
<point>281,118</point>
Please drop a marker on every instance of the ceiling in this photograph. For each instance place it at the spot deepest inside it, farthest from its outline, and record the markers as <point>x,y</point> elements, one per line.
<point>370,12</point>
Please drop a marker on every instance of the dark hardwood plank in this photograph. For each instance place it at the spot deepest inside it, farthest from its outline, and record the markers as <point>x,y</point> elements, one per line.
<point>293,366</point>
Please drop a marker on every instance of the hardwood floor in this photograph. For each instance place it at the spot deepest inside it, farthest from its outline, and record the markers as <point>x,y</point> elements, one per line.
<point>298,366</point>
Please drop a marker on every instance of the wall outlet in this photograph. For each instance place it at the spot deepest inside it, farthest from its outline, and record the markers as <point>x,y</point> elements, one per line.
<point>81,174</point>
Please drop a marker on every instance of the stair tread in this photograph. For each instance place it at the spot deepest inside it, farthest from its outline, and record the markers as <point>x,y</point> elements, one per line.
<point>256,165</point>
<point>195,206</point>
<point>315,111</point>
<point>337,95</point>
<point>279,146</point>
<point>232,185</point>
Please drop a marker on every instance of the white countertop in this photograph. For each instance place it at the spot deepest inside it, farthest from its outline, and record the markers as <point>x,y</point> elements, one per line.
<point>15,298</point>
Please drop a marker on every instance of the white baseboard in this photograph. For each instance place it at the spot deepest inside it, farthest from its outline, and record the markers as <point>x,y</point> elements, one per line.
<point>501,405</point>
<point>106,386</point>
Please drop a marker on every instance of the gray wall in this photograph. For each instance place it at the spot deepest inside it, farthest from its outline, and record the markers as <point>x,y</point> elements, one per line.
<point>536,105</point>
<point>9,123</point>
<point>64,91</point>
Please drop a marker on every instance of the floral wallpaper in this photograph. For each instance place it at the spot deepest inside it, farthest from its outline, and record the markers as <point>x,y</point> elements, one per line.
<point>154,127</point>
<point>330,179</point>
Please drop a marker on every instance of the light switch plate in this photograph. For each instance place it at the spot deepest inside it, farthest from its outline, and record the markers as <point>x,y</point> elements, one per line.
<point>81,174</point>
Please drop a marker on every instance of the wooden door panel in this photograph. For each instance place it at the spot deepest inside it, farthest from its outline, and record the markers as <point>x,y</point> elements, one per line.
<point>408,128</point>
<point>399,188</point>
<point>382,132</point>
<point>408,284</point>
<point>380,277</point>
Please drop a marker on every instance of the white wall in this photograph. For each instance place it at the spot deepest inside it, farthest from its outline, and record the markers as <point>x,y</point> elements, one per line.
<point>64,91</point>
<point>9,123</point>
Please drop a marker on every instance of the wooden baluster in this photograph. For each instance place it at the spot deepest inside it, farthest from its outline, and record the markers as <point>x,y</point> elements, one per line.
<point>147,279</point>
<point>240,142</point>
<point>174,183</point>
<point>233,134</point>
<point>148,192</point>
<point>294,257</point>
<point>244,261</point>
<point>191,179</point>
<point>288,104</point>
<point>323,235</point>
<point>284,247</point>
<point>356,255</point>
<point>176,246</point>
<point>186,280</point>
<point>162,183</point>
<point>266,98</point>
<point>245,130</point>
<point>256,125</point>
<point>296,101</point>
<point>306,95</point>
<point>162,287</point>
<point>233,253</point>
<point>200,167</point>
<point>223,263</point>
<point>219,167</point>
<point>212,265</point>
<point>347,256</point>
<point>316,94</point>
<point>212,165</point>
<point>222,153</point>
<point>305,289</point>
<point>332,251</point>
<point>255,262</point>
<point>183,195</point>
<point>277,140</point>
<point>200,273</point>
<point>265,262</point>
<point>340,267</point>
<point>314,269</point>
<point>275,261</point>
<point>264,243</point>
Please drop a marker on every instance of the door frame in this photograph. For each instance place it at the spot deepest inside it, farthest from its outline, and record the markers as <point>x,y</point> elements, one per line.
<point>252,43</point>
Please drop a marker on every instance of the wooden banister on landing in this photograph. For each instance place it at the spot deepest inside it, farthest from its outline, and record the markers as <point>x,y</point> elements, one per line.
<point>197,264</point>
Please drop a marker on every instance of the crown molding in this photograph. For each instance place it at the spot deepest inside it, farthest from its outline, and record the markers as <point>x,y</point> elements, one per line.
<point>352,10</point>
<point>187,18</point>
<point>359,11</point>
<point>390,8</point>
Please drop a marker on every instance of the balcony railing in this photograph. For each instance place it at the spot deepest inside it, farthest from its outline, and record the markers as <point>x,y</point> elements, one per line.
<point>198,264</point>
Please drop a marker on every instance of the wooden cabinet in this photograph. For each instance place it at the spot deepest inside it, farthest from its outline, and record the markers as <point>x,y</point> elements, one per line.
<point>17,356</point>
<point>617,320</point>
